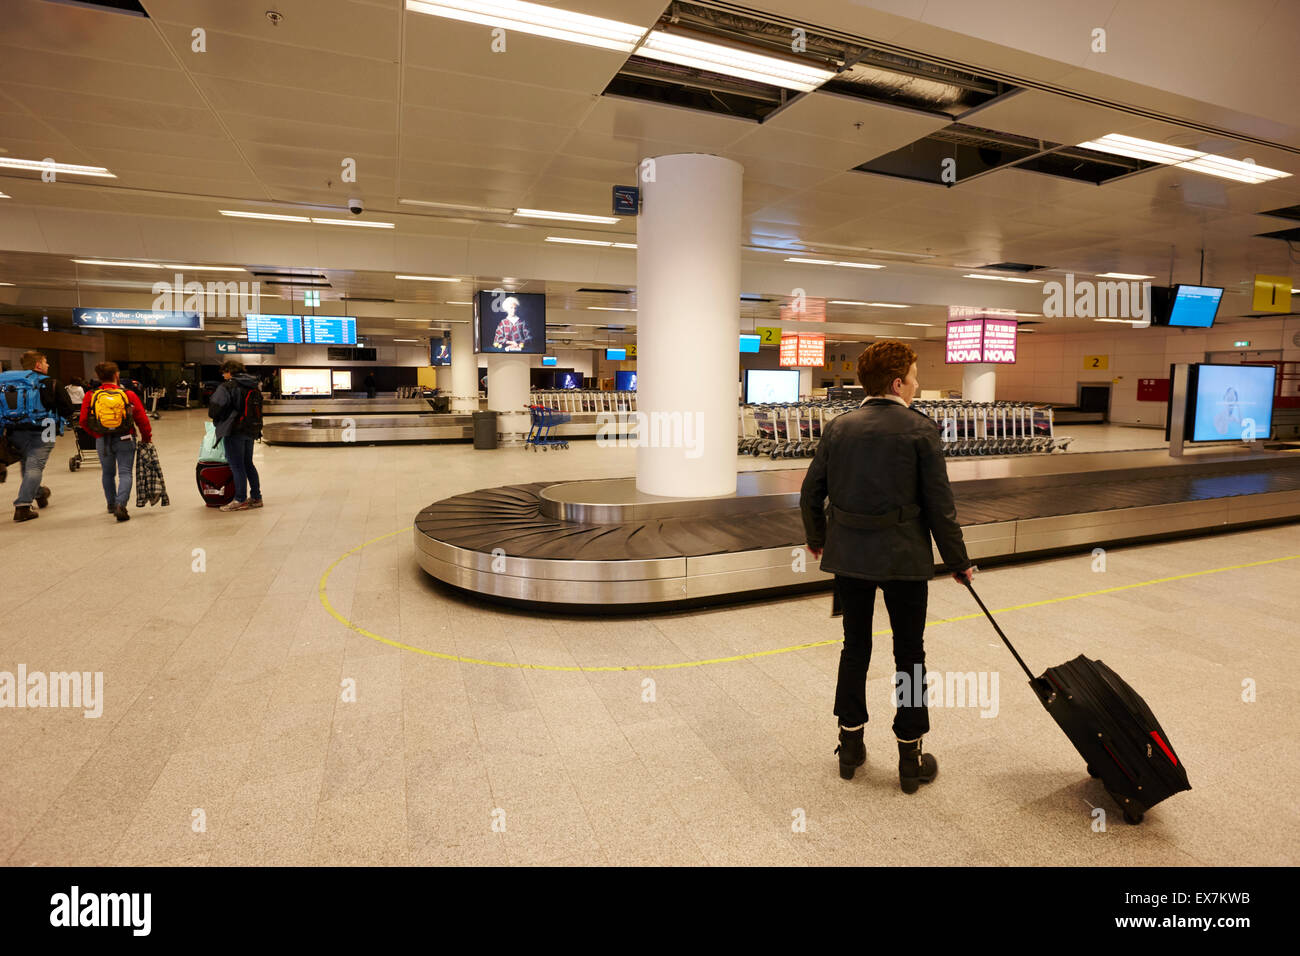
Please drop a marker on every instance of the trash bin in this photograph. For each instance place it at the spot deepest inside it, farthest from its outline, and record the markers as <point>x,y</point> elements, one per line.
<point>485,429</point>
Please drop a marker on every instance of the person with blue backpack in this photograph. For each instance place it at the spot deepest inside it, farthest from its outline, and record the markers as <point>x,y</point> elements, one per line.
<point>33,410</point>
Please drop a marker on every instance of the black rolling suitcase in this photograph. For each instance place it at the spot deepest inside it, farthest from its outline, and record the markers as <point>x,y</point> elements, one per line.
<point>1112,728</point>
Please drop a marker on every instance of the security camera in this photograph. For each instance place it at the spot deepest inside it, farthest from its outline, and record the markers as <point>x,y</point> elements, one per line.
<point>356,207</point>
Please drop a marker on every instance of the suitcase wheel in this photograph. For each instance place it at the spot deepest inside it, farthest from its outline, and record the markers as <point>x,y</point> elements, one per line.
<point>73,464</point>
<point>1131,817</point>
<point>1092,773</point>
<point>1133,812</point>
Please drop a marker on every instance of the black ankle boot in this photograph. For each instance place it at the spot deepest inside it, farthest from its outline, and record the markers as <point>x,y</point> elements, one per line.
<point>852,751</point>
<point>24,513</point>
<point>42,497</point>
<point>915,767</point>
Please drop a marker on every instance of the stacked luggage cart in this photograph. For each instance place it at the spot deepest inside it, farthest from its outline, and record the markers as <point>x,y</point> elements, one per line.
<point>580,400</point>
<point>543,419</point>
<point>994,428</point>
<point>793,430</point>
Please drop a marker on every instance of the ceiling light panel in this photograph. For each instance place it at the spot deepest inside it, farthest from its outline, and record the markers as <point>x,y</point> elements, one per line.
<point>536,19</point>
<point>731,61</point>
<point>71,169</point>
<point>564,216</point>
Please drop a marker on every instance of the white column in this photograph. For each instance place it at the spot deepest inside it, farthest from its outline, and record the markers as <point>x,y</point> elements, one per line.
<point>978,382</point>
<point>508,379</point>
<point>688,324</point>
<point>463,381</point>
<point>805,382</point>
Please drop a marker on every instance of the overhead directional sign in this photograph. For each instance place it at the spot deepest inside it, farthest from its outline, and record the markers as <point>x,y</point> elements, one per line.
<point>1272,294</point>
<point>135,319</point>
<point>768,335</point>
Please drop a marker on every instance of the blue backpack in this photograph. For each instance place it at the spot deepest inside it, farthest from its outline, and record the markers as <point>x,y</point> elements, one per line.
<point>20,402</point>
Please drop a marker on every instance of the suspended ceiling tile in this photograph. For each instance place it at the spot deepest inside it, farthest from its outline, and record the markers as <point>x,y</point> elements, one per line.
<point>455,152</point>
<point>476,128</point>
<point>66,30</point>
<point>641,121</point>
<point>83,75</point>
<point>493,97</point>
<point>326,27</point>
<point>1049,116</point>
<point>872,128</point>
<point>367,110</point>
<point>800,148</point>
<point>438,43</point>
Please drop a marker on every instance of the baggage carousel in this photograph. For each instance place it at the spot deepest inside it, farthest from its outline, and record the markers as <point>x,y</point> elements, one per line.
<point>333,429</point>
<point>590,545</point>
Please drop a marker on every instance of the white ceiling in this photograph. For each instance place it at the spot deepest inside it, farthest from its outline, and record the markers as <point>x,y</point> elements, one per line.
<point>263,119</point>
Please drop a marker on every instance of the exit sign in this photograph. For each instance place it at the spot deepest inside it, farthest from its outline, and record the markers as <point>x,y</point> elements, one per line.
<point>1241,345</point>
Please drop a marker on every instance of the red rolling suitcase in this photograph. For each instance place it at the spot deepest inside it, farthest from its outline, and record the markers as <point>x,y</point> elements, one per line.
<point>216,483</point>
<point>1111,726</point>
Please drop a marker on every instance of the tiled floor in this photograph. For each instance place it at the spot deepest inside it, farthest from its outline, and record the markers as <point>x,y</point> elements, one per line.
<point>226,738</point>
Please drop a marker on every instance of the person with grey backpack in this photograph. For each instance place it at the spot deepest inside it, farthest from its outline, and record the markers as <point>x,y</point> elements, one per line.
<point>236,410</point>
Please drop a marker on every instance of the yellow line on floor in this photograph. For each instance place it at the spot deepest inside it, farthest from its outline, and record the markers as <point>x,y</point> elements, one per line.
<point>325,602</point>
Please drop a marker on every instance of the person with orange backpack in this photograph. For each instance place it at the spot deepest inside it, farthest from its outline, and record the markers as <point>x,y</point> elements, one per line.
<point>112,414</point>
<point>236,410</point>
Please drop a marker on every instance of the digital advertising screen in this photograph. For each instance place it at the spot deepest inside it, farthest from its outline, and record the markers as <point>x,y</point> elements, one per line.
<point>1195,306</point>
<point>1000,340</point>
<point>510,322</point>
<point>550,360</point>
<point>342,381</point>
<point>569,379</point>
<point>280,329</point>
<point>764,386</point>
<point>625,381</point>
<point>1225,397</point>
<point>615,355</point>
<point>305,381</point>
<point>440,351</point>
<point>965,341</point>
<point>750,343</point>
<point>329,329</point>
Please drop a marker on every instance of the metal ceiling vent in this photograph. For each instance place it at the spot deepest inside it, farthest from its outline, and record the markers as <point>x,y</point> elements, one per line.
<point>857,69</point>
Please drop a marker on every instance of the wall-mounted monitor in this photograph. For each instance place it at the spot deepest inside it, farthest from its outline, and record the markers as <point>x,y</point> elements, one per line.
<point>1194,306</point>
<point>440,351</point>
<point>280,329</point>
<point>329,330</point>
<point>625,381</point>
<point>510,322</point>
<point>615,355</point>
<point>305,381</point>
<point>764,386</point>
<point>568,379</point>
<point>342,381</point>
<point>548,360</point>
<point>750,343</point>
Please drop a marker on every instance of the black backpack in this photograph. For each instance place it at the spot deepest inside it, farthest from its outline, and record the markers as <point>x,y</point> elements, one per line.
<point>248,411</point>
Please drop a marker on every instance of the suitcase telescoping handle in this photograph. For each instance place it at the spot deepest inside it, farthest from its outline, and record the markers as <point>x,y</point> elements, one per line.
<point>999,630</point>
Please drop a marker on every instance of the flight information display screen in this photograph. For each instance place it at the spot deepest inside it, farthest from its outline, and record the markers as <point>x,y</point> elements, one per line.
<point>284,329</point>
<point>329,330</point>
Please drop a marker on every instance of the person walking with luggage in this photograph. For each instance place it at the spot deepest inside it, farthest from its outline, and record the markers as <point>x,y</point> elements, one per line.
<point>33,407</point>
<point>113,414</point>
<point>236,411</point>
<point>882,467</point>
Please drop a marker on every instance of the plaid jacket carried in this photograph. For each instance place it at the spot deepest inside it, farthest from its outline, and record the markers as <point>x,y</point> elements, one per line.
<point>149,484</point>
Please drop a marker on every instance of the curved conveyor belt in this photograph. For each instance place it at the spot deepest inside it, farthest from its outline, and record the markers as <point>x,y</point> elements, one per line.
<point>502,543</point>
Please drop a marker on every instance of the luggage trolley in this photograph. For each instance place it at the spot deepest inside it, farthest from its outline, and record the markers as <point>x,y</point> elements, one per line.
<point>543,419</point>
<point>85,444</point>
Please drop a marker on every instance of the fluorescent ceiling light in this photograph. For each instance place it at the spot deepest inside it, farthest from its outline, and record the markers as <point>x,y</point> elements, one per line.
<point>1027,314</point>
<point>1125,321</point>
<point>204,268</point>
<point>1121,275</point>
<point>458,303</point>
<point>6,283</point>
<point>539,20</point>
<point>732,61</point>
<point>829,262</point>
<point>9,162</point>
<point>406,340</point>
<point>591,242</point>
<point>888,305</point>
<point>1208,163</point>
<point>262,215</point>
<point>1120,145</point>
<point>607,308</point>
<point>976,275</point>
<point>129,265</point>
<point>847,302</point>
<point>353,222</point>
<point>1226,168</point>
<point>564,216</point>
<point>4,196</point>
<point>500,210</point>
<point>427,278</point>
<point>926,325</point>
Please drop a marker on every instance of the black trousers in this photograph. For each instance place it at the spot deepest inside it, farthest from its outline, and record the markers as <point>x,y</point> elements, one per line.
<point>906,603</point>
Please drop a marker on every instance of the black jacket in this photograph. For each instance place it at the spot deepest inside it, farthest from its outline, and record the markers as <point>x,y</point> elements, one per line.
<point>882,467</point>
